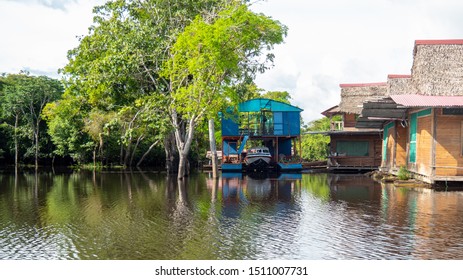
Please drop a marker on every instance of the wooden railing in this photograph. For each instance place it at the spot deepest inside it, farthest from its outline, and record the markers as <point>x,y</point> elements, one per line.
<point>336,126</point>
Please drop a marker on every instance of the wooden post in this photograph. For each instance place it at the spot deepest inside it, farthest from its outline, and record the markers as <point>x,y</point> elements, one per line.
<point>213,148</point>
<point>433,143</point>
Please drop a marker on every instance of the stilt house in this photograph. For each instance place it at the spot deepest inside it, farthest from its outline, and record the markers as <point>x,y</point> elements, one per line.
<point>354,148</point>
<point>262,122</point>
<point>422,116</point>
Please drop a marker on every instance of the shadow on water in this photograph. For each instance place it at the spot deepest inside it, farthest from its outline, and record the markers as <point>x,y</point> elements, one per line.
<point>148,215</point>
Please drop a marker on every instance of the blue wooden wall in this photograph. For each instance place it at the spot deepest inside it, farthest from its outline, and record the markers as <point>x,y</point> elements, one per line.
<point>286,118</point>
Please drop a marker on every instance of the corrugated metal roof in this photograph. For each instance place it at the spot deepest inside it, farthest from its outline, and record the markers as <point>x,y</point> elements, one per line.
<point>440,42</point>
<point>415,100</point>
<point>258,104</point>
<point>399,76</point>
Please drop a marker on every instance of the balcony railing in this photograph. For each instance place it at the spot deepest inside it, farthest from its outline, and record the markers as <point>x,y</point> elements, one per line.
<point>337,126</point>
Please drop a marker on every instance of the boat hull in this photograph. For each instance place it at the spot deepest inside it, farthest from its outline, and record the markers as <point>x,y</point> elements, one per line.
<point>257,159</point>
<point>257,163</point>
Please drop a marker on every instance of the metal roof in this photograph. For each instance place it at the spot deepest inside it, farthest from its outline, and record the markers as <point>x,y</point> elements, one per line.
<point>415,100</point>
<point>258,104</point>
<point>378,112</point>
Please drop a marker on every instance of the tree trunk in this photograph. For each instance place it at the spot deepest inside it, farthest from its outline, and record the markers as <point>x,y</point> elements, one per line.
<point>121,155</point>
<point>147,152</point>
<point>213,148</point>
<point>170,151</point>
<point>16,144</point>
<point>37,147</point>
<point>100,149</point>
<point>135,149</point>
<point>183,138</point>
<point>182,166</point>
<point>127,152</point>
<point>94,157</point>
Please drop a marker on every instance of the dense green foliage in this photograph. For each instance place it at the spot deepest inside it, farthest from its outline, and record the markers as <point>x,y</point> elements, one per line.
<point>22,99</point>
<point>314,144</point>
<point>143,81</point>
<point>210,57</point>
<point>114,91</point>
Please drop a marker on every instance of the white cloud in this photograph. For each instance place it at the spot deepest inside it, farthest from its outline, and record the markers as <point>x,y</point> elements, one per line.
<point>336,41</point>
<point>329,42</point>
<point>37,34</point>
<point>54,4</point>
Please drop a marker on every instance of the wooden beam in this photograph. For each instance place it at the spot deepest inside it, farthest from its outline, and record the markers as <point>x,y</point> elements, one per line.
<point>377,105</point>
<point>369,124</point>
<point>390,113</point>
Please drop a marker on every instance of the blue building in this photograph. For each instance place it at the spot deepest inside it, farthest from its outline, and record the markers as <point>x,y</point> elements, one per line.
<point>262,122</point>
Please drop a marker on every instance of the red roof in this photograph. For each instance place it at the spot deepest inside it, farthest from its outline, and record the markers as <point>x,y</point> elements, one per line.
<point>363,85</point>
<point>415,100</point>
<point>439,42</point>
<point>398,76</point>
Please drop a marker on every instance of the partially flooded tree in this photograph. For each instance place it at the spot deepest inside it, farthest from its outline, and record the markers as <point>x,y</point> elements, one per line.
<point>115,71</point>
<point>211,55</point>
<point>23,98</point>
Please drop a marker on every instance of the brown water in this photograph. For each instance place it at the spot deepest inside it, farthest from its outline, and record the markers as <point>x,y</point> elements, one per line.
<point>150,216</point>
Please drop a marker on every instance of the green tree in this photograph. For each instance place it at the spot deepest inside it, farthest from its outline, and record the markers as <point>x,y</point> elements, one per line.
<point>115,69</point>
<point>207,58</point>
<point>314,142</point>
<point>282,96</point>
<point>66,126</point>
<point>23,99</point>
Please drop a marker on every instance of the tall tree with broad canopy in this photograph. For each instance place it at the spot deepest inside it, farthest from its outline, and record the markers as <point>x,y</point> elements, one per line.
<point>208,58</point>
<point>23,98</point>
<point>115,72</point>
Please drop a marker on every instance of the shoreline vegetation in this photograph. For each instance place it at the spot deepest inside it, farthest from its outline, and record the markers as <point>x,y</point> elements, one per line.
<point>126,99</point>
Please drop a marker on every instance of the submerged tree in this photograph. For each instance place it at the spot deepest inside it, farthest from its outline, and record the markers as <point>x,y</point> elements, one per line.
<point>115,71</point>
<point>210,56</point>
<point>159,67</point>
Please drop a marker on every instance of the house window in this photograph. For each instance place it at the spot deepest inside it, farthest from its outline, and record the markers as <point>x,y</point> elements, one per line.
<point>353,148</point>
<point>413,126</point>
<point>452,111</point>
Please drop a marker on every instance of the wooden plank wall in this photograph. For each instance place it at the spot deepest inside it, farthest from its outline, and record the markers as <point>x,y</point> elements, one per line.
<point>448,146</point>
<point>401,145</point>
<point>350,120</point>
<point>375,145</point>
<point>423,145</point>
<point>390,147</point>
<point>378,152</point>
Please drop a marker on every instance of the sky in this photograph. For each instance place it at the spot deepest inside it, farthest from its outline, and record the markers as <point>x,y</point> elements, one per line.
<point>329,42</point>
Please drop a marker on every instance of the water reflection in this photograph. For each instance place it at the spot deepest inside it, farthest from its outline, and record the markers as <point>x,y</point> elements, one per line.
<point>142,215</point>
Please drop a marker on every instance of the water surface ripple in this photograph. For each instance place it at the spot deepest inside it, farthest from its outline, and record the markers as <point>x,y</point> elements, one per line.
<point>145,215</point>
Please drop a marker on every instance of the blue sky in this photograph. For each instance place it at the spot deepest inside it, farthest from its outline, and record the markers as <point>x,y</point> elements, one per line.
<point>329,42</point>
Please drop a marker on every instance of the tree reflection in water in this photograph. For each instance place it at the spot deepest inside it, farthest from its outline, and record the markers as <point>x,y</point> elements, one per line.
<point>146,215</point>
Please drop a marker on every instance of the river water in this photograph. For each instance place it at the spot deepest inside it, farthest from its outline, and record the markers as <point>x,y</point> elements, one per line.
<point>145,215</point>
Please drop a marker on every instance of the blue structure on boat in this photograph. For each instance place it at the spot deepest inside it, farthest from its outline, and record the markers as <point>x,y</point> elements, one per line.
<point>262,122</point>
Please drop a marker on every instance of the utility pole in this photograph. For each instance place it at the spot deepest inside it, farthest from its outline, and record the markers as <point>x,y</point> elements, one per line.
<point>213,148</point>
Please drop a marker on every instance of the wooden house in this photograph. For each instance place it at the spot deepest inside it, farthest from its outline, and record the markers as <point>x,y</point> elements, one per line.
<point>422,116</point>
<point>262,122</point>
<point>353,148</point>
